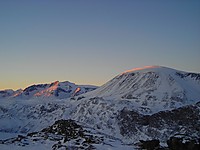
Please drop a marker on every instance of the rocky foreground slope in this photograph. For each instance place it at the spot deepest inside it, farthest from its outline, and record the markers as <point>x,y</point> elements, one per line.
<point>144,104</point>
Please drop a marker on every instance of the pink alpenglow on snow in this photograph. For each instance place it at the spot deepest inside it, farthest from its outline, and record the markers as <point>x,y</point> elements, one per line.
<point>140,68</point>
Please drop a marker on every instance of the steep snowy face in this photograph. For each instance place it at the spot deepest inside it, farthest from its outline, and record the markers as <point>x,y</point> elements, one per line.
<point>152,87</point>
<point>54,90</point>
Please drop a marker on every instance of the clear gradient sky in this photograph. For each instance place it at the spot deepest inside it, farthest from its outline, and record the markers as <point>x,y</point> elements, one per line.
<point>91,41</point>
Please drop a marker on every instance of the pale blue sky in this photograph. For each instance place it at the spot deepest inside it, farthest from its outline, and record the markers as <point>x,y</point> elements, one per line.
<point>91,41</point>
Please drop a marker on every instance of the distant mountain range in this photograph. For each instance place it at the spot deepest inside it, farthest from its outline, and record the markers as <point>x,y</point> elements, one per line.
<point>140,107</point>
<point>54,90</point>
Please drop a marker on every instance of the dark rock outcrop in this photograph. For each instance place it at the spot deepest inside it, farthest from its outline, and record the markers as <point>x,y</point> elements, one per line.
<point>160,125</point>
<point>150,145</point>
<point>183,143</point>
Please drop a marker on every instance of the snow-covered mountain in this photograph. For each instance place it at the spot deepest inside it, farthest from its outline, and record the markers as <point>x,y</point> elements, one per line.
<point>154,88</point>
<point>54,90</point>
<point>141,104</point>
<point>140,94</point>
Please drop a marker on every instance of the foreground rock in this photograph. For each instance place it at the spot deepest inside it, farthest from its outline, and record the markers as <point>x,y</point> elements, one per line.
<point>65,134</point>
<point>62,132</point>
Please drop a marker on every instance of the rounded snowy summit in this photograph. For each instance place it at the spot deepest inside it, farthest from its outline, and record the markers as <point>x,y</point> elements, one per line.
<point>150,69</point>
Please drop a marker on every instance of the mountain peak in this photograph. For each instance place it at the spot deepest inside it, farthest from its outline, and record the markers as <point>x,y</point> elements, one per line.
<point>146,69</point>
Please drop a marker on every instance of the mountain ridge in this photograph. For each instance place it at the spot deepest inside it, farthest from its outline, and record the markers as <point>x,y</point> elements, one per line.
<point>55,89</point>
